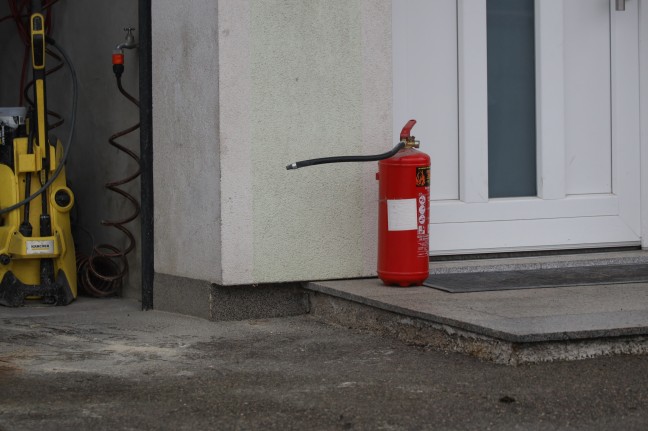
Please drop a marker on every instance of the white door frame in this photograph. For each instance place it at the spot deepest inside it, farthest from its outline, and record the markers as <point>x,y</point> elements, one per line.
<point>643,54</point>
<point>543,220</point>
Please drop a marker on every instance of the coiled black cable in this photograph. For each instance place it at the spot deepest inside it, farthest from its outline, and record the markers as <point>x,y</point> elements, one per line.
<point>344,159</point>
<point>66,150</point>
<point>50,113</point>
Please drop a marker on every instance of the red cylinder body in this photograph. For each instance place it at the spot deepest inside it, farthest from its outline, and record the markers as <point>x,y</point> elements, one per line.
<point>403,218</point>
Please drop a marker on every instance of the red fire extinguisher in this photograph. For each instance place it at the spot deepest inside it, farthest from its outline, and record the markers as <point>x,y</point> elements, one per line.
<point>403,209</point>
<point>403,214</point>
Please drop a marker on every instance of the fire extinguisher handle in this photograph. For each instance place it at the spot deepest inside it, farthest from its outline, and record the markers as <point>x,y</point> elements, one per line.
<point>405,133</point>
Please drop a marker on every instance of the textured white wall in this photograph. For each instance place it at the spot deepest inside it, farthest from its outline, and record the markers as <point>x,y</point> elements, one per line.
<point>236,148</point>
<point>296,79</point>
<point>306,101</point>
<point>186,139</point>
<point>301,79</point>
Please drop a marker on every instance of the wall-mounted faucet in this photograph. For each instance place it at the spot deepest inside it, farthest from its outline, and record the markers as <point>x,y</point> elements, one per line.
<point>130,40</point>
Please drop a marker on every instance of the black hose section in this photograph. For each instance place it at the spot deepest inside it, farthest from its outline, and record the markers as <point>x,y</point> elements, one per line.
<point>346,159</point>
<point>66,151</point>
<point>102,273</point>
<point>28,175</point>
<point>28,180</point>
<point>58,118</point>
<point>146,151</point>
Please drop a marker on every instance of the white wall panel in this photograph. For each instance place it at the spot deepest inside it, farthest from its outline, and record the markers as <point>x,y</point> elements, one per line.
<point>587,97</point>
<point>425,85</point>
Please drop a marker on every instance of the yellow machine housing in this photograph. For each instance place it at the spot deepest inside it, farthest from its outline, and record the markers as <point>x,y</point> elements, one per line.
<point>37,258</point>
<point>22,257</point>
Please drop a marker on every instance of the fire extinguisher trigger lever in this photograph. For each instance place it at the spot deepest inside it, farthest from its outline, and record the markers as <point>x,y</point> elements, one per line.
<point>407,129</point>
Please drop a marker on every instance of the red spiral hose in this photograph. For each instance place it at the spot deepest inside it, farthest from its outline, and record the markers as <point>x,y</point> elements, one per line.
<point>101,274</point>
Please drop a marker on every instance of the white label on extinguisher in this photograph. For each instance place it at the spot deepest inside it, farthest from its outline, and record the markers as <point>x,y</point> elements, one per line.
<point>401,214</point>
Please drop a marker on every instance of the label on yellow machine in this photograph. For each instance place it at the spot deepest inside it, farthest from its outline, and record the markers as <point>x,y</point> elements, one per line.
<point>40,247</point>
<point>36,248</point>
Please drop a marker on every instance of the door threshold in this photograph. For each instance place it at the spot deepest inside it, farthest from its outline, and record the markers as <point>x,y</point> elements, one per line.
<point>531,253</point>
<point>543,261</point>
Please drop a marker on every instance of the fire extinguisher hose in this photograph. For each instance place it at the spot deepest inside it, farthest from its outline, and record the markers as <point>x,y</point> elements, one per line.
<point>343,159</point>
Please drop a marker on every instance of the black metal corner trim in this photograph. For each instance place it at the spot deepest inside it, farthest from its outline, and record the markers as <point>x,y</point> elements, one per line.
<point>146,151</point>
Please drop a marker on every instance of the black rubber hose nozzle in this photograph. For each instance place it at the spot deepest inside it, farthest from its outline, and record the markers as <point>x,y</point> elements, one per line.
<point>346,159</point>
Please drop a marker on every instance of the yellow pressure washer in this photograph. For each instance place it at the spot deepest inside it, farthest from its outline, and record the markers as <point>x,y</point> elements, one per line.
<point>36,264</point>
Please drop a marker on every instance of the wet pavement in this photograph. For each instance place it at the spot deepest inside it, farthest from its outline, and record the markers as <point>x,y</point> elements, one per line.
<point>103,364</point>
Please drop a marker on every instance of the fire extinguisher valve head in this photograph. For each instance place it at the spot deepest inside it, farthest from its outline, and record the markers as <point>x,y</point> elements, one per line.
<point>411,142</point>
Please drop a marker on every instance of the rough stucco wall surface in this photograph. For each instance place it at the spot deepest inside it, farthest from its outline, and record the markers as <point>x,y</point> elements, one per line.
<point>296,80</point>
<point>377,113</point>
<point>306,66</point>
<point>186,139</point>
<point>299,80</point>
<point>236,165</point>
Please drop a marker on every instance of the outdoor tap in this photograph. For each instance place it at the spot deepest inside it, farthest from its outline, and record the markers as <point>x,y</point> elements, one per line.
<point>118,52</point>
<point>130,40</point>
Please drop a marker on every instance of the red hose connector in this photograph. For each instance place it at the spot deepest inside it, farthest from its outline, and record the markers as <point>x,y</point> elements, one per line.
<point>117,58</point>
<point>118,62</point>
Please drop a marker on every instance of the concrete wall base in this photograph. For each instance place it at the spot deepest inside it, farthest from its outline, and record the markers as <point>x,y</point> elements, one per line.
<point>214,302</point>
<point>210,301</point>
<point>423,333</point>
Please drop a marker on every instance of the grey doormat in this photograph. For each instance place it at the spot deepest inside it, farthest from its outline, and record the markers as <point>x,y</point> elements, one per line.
<point>538,278</point>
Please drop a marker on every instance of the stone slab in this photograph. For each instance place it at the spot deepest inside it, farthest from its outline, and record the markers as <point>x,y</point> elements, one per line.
<point>519,316</point>
<point>257,301</point>
<point>447,338</point>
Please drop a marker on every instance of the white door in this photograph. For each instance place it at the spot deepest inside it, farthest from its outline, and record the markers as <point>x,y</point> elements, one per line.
<point>577,184</point>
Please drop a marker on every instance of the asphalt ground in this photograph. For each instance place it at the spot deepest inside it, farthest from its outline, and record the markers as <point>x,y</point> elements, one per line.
<point>105,365</point>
